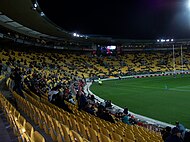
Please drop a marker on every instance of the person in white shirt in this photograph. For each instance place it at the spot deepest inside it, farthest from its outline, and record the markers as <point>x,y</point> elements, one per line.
<point>51,93</point>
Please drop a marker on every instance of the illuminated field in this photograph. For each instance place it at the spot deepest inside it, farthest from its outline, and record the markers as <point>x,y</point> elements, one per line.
<point>162,98</point>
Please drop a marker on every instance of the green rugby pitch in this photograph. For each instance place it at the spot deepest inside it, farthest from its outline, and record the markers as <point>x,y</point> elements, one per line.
<point>162,98</point>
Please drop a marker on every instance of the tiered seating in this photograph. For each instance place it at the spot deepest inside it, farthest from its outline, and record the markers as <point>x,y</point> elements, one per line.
<point>82,126</point>
<point>81,117</point>
<point>47,119</point>
<point>22,129</point>
<point>79,65</point>
<point>61,124</point>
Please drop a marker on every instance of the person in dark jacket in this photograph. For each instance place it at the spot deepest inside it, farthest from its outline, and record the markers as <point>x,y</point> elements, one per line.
<point>166,133</point>
<point>82,102</point>
<point>60,102</point>
<point>18,82</point>
<point>104,114</point>
<point>175,136</point>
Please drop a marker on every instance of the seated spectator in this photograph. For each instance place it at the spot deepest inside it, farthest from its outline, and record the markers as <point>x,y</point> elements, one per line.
<point>18,82</point>
<point>181,129</point>
<point>92,98</point>
<point>108,103</point>
<point>90,109</point>
<point>82,101</point>
<point>71,99</point>
<point>166,133</point>
<point>106,116</point>
<point>125,119</point>
<point>59,101</point>
<point>175,136</point>
<point>52,93</point>
<point>100,110</point>
<point>125,110</point>
<point>133,120</point>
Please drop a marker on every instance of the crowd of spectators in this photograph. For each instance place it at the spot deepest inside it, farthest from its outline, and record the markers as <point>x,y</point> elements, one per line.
<point>176,134</point>
<point>59,92</point>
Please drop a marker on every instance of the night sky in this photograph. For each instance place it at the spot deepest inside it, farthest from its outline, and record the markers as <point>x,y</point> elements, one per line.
<point>128,19</point>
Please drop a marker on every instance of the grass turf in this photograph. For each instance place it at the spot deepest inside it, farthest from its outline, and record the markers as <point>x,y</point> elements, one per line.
<point>162,98</point>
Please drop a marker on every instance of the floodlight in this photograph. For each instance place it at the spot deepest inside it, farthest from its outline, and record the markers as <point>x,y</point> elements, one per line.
<point>188,4</point>
<point>35,5</point>
<point>74,34</point>
<point>163,40</point>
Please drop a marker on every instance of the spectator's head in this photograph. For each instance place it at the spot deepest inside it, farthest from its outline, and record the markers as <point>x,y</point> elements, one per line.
<point>168,129</point>
<point>175,131</point>
<point>125,110</point>
<point>92,97</point>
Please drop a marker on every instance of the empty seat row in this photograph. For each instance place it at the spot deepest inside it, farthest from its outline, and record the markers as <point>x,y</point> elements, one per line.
<point>21,128</point>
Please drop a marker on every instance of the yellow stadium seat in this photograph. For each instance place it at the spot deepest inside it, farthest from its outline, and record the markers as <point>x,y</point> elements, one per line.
<point>38,137</point>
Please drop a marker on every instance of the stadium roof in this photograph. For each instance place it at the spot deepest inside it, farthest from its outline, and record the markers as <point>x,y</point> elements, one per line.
<point>19,15</point>
<point>22,16</point>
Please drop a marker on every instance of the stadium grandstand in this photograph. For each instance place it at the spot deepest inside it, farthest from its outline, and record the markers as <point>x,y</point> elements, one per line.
<point>49,90</point>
